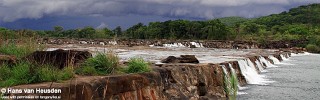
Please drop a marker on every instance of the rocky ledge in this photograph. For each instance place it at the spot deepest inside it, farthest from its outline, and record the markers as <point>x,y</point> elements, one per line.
<point>182,81</point>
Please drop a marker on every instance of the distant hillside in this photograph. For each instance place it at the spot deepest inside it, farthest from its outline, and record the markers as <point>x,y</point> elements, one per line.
<point>307,14</point>
<point>230,21</point>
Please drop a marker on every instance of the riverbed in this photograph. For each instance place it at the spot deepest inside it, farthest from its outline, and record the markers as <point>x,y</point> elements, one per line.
<point>297,78</point>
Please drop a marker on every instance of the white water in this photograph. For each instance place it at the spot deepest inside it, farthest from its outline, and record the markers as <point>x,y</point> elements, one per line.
<point>274,59</point>
<point>174,45</point>
<point>198,45</point>
<point>259,65</point>
<point>267,63</point>
<point>283,57</point>
<point>239,87</point>
<point>250,63</point>
<point>250,73</point>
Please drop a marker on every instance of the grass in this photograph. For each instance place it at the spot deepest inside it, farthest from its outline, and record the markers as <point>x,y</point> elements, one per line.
<point>137,65</point>
<point>51,74</point>
<point>18,74</point>
<point>101,64</point>
<point>231,85</point>
<point>1,96</point>
<point>19,48</point>
<point>25,73</point>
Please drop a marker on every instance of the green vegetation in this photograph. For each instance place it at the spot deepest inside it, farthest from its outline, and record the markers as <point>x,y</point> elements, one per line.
<point>297,24</point>
<point>1,96</point>
<point>137,65</point>
<point>49,73</point>
<point>25,73</point>
<point>231,85</point>
<point>313,48</point>
<point>101,64</point>
<point>16,50</point>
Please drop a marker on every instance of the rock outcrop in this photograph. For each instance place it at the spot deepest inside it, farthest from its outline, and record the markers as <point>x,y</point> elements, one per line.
<point>59,58</point>
<point>173,81</point>
<point>181,59</point>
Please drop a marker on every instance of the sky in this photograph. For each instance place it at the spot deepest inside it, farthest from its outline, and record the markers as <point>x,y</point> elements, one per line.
<point>71,14</point>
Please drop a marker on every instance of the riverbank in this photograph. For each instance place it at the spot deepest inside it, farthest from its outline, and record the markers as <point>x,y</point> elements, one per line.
<point>170,81</point>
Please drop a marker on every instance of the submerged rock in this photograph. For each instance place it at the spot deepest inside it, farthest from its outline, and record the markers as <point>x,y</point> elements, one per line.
<point>181,59</point>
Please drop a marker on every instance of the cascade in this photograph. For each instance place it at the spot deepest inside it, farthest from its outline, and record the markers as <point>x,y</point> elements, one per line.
<point>266,62</point>
<point>174,45</point>
<point>198,45</point>
<point>283,57</point>
<point>249,62</point>
<point>250,74</point>
<point>259,65</point>
<point>274,59</point>
<point>234,73</point>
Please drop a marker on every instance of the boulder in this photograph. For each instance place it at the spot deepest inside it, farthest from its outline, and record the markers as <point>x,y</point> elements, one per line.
<point>181,59</point>
<point>59,58</point>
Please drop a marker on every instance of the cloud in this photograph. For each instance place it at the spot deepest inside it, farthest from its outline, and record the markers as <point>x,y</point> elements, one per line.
<point>11,10</point>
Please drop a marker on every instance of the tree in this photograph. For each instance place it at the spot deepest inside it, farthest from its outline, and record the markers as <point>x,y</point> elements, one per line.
<point>58,28</point>
<point>87,32</point>
<point>117,31</point>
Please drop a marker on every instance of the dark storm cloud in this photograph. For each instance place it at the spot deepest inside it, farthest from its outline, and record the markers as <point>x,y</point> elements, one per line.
<point>11,10</point>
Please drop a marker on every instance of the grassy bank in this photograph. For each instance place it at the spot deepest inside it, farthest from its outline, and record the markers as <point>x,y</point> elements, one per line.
<point>25,72</point>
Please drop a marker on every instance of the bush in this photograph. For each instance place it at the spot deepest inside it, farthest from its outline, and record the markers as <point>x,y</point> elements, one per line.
<point>313,48</point>
<point>49,74</point>
<point>25,73</point>
<point>66,73</point>
<point>19,74</point>
<point>86,70</point>
<point>102,63</point>
<point>137,65</point>
<point>26,47</point>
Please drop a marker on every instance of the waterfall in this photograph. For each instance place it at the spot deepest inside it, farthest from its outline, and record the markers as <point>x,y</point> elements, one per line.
<point>230,82</point>
<point>198,45</point>
<point>250,63</point>
<point>174,45</point>
<point>283,57</point>
<point>259,65</point>
<point>274,59</point>
<point>233,72</point>
<point>266,62</point>
<point>113,42</point>
<point>250,73</point>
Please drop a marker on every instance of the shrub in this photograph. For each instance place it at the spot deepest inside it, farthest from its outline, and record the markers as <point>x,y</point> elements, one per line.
<point>25,72</point>
<point>66,73</point>
<point>48,73</point>
<point>19,74</point>
<point>86,70</point>
<point>102,63</point>
<point>313,48</point>
<point>137,65</point>
<point>26,47</point>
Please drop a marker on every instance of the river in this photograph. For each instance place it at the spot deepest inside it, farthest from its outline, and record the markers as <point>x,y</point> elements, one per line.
<point>297,78</point>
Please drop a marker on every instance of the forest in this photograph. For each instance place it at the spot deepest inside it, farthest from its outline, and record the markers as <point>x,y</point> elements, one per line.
<point>300,23</point>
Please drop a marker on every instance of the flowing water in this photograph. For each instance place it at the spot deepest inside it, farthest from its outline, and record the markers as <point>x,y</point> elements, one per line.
<point>296,78</point>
